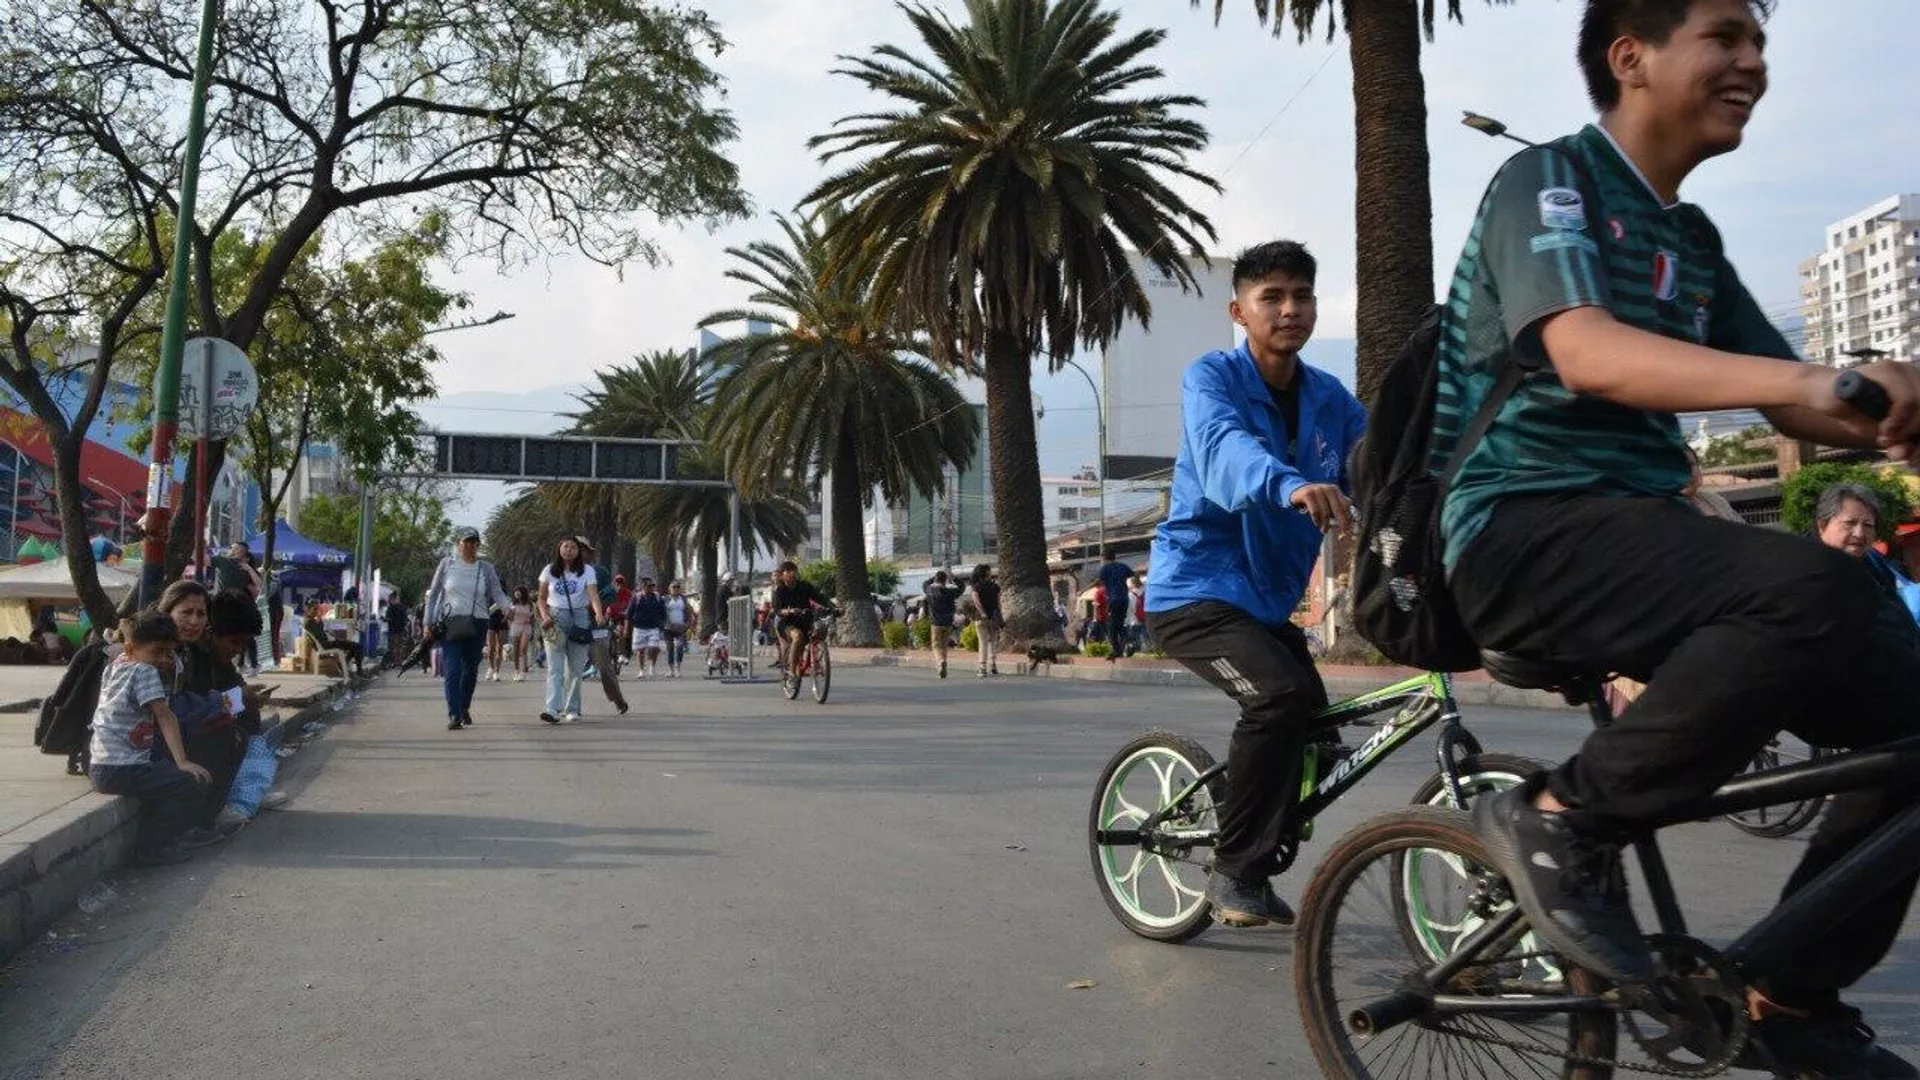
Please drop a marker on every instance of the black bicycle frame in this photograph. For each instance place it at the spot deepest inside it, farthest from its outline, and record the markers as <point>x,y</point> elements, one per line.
<point>1888,856</point>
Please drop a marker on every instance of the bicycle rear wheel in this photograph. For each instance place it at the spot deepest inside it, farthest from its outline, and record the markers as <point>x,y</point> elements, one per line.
<point>1353,948</point>
<point>1786,819</point>
<point>1156,883</point>
<point>822,675</point>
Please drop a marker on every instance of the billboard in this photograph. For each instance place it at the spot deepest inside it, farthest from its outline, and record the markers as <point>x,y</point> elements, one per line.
<point>1140,374</point>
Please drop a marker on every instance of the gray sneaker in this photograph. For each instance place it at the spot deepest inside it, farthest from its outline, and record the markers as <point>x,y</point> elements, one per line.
<point>197,838</point>
<point>1247,903</point>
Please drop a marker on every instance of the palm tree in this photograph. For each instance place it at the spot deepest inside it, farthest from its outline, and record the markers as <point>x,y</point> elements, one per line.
<point>1393,205</point>
<point>657,395</point>
<point>832,388</point>
<point>997,200</point>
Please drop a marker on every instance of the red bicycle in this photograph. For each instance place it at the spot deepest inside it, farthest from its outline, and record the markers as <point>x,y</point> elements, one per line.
<point>816,662</point>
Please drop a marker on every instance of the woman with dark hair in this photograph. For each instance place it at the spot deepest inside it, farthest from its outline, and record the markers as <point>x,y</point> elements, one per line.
<point>569,603</point>
<point>213,726</point>
<point>987,618</point>
<point>520,631</point>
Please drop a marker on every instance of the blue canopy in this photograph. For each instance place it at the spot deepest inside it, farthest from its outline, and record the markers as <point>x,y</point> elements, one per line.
<point>292,549</point>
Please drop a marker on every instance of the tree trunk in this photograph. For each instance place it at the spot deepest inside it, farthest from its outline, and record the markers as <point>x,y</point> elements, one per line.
<point>709,589</point>
<point>1393,202</point>
<point>72,501</point>
<point>1019,522</point>
<point>862,627</point>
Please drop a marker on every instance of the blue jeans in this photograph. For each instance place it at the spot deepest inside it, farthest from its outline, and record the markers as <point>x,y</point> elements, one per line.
<point>168,798</point>
<point>460,666</point>
<point>566,664</point>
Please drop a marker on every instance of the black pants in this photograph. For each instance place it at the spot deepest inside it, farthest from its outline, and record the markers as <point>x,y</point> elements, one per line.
<point>167,797</point>
<point>1270,673</point>
<point>1117,627</point>
<point>1740,633</point>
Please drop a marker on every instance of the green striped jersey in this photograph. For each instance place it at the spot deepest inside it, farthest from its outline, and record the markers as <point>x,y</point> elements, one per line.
<point>1546,240</point>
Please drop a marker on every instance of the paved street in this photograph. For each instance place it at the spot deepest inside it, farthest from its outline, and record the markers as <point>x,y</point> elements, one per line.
<point>722,884</point>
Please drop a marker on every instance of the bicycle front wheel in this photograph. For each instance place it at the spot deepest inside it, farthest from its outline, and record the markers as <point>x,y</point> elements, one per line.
<point>822,675</point>
<point>1154,879</point>
<point>1353,949</point>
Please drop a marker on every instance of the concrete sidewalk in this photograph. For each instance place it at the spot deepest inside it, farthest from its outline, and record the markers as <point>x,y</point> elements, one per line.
<point>1343,681</point>
<point>57,836</point>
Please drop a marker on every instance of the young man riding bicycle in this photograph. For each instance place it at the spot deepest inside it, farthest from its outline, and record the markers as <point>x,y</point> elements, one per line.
<point>794,602</point>
<point>1260,476</point>
<point>1567,544</point>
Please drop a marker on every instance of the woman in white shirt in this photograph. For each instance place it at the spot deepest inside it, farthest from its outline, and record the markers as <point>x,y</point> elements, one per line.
<point>682,621</point>
<point>569,607</point>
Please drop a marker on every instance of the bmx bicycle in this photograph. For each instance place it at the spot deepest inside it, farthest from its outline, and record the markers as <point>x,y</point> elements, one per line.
<point>1412,958</point>
<point>816,662</point>
<point>1155,815</point>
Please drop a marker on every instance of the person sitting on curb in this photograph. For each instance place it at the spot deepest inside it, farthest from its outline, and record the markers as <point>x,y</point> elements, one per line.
<point>131,713</point>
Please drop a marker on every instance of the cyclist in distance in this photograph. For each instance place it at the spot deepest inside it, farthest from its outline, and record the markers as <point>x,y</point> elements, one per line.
<point>1567,544</point>
<point>1260,477</point>
<point>794,602</point>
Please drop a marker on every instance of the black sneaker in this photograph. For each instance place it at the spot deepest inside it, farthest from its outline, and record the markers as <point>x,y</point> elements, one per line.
<point>453,723</point>
<point>197,838</point>
<point>1831,1044</point>
<point>1247,903</point>
<point>549,718</point>
<point>1570,886</point>
<point>466,719</point>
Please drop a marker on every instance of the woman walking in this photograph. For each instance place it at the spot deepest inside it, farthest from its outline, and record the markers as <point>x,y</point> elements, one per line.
<point>520,632</point>
<point>569,603</point>
<point>465,588</point>
<point>496,642</point>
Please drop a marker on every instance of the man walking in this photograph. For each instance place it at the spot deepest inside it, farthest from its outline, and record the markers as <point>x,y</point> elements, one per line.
<point>1114,576</point>
<point>942,596</point>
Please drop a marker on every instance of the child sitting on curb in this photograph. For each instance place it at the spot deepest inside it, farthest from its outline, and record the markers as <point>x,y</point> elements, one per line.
<point>132,709</point>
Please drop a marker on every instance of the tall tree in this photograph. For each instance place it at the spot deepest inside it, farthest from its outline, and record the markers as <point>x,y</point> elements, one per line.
<point>997,200</point>
<point>411,531</point>
<point>532,124</point>
<point>832,388</point>
<point>1393,202</point>
<point>341,355</point>
<point>661,394</point>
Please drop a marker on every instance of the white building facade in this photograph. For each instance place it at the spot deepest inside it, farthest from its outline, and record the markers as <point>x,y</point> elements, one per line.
<point>1861,294</point>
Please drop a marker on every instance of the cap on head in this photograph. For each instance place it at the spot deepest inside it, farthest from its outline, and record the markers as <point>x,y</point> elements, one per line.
<point>585,544</point>
<point>465,533</point>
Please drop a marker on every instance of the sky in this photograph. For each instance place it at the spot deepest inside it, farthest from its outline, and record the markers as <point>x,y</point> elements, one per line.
<point>1832,136</point>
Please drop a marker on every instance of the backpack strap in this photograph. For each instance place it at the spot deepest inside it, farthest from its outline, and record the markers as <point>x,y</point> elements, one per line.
<point>1511,377</point>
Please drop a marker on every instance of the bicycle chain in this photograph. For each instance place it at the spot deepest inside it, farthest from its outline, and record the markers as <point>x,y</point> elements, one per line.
<point>1711,1067</point>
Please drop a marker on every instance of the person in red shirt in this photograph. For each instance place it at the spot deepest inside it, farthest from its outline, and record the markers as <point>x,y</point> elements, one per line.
<point>622,596</point>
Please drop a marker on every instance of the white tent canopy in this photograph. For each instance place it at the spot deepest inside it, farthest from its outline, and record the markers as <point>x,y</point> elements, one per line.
<point>51,580</point>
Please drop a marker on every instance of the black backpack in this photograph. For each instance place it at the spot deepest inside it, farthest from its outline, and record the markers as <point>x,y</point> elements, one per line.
<point>67,713</point>
<point>1400,599</point>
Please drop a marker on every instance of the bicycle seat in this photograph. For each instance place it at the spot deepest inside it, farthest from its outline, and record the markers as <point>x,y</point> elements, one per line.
<point>1577,685</point>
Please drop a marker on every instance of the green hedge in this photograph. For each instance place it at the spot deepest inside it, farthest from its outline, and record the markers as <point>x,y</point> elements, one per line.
<point>923,635</point>
<point>970,638</point>
<point>893,635</point>
<point>1099,650</point>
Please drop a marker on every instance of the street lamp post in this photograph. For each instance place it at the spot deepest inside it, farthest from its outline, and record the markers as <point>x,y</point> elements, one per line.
<point>1100,417</point>
<point>1493,129</point>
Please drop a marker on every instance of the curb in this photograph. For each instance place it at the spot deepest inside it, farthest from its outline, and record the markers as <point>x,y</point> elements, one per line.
<point>81,841</point>
<point>1469,692</point>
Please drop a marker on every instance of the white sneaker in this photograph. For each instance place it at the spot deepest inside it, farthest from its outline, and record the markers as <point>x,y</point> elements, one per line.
<point>519,676</point>
<point>273,800</point>
<point>229,821</point>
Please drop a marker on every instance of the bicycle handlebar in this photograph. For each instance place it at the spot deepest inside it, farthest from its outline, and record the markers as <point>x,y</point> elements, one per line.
<point>1865,395</point>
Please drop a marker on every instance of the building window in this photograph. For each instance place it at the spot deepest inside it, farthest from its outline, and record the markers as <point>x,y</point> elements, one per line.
<point>1069,513</point>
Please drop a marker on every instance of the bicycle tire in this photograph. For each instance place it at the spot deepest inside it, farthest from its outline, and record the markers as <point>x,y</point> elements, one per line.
<point>822,675</point>
<point>789,684</point>
<point>1318,966</point>
<point>1189,912</point>
<point>1479,774</point>
<point>1775,822</point>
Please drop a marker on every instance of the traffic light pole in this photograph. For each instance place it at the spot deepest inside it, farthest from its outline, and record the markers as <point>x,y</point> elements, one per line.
<point>173,336</point>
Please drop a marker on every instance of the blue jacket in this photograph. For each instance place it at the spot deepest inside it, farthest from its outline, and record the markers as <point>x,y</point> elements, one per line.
<point>1231,533</point>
